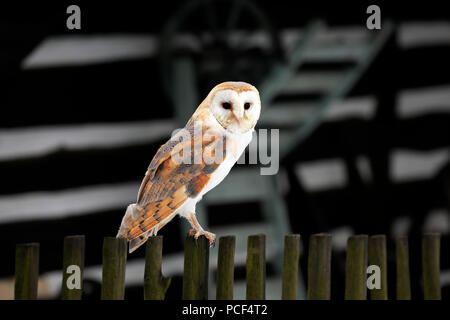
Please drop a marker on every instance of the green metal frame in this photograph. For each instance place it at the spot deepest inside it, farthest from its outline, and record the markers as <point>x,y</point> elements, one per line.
<point>349,80</point>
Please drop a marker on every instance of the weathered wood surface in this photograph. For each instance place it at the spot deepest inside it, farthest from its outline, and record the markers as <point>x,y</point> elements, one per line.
<point>355,268</point>
<point>196,268</point>
<point>289,277</point>
<point>155,284</point>
<point>114,265</point>
<point>73,260</point>
<point>225,268</point>
<point>26,271</point>
<point>431,246</point>
<point>256,267</point>
<point>403,281</point>
<point>319,267</point>
<point>377,256</point>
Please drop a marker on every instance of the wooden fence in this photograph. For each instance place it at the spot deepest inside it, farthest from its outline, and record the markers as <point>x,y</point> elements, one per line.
<point>362,252</point>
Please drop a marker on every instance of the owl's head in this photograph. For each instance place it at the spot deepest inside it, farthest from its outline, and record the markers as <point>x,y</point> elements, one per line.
<point>235,105</point>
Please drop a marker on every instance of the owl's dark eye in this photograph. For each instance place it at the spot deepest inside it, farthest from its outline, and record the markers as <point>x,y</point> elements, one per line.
<point>226,105</point>
<point>247,105</point>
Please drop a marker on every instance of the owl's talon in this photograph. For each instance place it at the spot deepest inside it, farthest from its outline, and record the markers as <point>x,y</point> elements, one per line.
<point>208,235</point>
<point>211,237</point>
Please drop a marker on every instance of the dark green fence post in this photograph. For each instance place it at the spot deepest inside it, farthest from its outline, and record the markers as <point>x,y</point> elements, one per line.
<point>431,243</point>
<point>26,271</point>
<point>256,267</point>
<point>114,264</point>
<point>355,268</point>
<point>402,266</point>
<point>377,256</point>
<point>225,268</point>
<point>155,285</point>
<point>289,275</point>
<point>319,267</point>
<point>196,268</point>
<point>73,265</point>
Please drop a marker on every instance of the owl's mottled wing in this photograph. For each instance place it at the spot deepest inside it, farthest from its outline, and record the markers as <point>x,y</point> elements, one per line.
<point>167,184</point>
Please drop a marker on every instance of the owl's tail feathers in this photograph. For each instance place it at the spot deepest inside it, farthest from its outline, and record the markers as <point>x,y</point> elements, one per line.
<point>132,214</point>
<point>134,211</point>
<point>137,242</point>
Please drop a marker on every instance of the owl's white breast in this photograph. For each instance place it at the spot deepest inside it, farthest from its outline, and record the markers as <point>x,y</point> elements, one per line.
<point>236,144</point>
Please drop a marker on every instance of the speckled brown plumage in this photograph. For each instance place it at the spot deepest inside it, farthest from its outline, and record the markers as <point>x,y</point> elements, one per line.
<point>167,185</point>
<point>173,185</point>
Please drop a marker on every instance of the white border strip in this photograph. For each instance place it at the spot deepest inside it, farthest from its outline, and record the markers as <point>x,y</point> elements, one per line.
<point>73,50</point>
<point>421,101</point>
<point>38,141</point>
<point>417,34</point>
<point>363,107</point>
<point>70,202</point>
<point>322,174</point>
<point>70,50</point>
<point>408,165</point>
<point>81,50</point>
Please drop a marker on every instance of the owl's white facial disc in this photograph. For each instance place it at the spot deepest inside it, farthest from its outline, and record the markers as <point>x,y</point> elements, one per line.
<point>236,111</point>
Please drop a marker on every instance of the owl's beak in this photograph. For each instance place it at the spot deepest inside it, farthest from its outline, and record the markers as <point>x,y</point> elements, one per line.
<point>238,113</point>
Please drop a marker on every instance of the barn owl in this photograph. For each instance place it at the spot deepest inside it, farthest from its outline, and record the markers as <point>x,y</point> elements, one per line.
<point>226,120</point>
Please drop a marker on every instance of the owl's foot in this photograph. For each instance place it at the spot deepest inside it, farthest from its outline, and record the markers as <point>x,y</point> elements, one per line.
<point>208,235</point>
<point>198,231</point>
<point>192,232</point>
